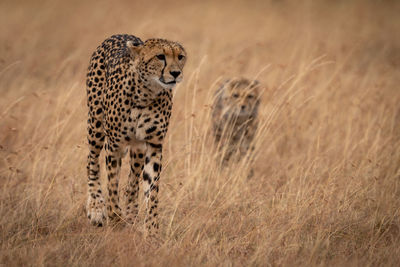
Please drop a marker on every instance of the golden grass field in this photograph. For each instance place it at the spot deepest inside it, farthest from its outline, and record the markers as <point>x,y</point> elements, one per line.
<point>326,189</point>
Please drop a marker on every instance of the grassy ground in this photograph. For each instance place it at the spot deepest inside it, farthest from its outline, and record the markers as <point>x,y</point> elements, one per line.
<point>326,189</point>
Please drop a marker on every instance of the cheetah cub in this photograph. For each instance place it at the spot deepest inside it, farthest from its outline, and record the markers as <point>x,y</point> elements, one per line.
<point>234,118</point>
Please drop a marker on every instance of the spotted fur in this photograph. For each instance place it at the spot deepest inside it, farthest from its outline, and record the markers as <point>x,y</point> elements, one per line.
<point>129,96</point>
<point>235,118</point>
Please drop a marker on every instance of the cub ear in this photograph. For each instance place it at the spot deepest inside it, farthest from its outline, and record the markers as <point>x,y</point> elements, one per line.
<point>134,49</point>
<point>221,85</point>
<point>225,82</point>
<point>256,83</point>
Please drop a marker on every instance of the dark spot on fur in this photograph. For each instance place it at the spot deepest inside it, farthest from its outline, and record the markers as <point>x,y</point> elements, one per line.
<point>151,129</point>
<point>156,167</point>
<point>146,176</point>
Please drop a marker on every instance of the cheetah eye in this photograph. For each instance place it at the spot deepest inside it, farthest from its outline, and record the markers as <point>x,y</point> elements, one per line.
<point>250,96</point>
<point>235,95</point>
<point>161,57</point>
<point>180,57</point>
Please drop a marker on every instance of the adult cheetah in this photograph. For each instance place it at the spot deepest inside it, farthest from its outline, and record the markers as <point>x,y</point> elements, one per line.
<point>129,96</point>
<point>235,118</point>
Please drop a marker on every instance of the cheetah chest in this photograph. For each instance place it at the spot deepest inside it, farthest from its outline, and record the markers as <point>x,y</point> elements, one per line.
<point>150,123</point>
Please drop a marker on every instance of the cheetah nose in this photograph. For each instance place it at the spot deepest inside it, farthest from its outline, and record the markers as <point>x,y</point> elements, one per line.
<point>175,73</point>
<point>243,107</point>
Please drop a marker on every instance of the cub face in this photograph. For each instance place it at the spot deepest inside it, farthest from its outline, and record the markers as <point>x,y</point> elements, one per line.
<point>159,63</point>
<point>240,97</point>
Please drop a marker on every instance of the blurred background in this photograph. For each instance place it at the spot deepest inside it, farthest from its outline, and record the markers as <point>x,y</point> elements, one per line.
<point>326,189</point>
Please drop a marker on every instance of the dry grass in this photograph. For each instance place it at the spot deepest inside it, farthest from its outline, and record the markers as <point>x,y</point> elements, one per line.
<point>327,183</point>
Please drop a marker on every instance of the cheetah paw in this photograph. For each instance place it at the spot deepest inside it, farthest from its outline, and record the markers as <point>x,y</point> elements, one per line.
<point>96,211</point>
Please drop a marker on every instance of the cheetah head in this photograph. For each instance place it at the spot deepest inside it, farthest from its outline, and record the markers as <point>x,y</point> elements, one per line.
<point>159,63</point>
<point>240,97</point>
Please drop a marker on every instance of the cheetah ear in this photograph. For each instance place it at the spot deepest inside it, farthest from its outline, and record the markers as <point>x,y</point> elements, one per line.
<point>225,83</point>
<point>222,86</point>
<point>259,86</point>
<point>134,49</point>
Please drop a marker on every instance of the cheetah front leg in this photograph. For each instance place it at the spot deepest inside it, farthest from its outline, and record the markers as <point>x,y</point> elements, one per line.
<point>95,206</point>
<point>247,154</point>
<point>137,154</point>
<point>113,165</point>
<point>151,176</point>
<point>247,146</point>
